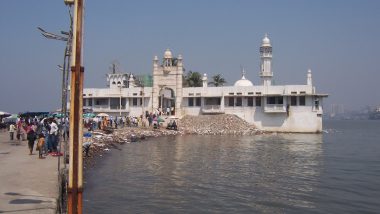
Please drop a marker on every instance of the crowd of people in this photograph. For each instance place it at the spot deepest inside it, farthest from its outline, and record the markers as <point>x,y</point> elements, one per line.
<point>45,131</point>
<point>149,120</point>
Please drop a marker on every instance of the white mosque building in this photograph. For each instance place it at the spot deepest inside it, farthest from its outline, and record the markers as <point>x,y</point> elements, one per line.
<point>279,108</point>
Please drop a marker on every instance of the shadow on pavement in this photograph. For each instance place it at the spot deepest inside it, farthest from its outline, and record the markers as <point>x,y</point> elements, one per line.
<point>24,210</point>
<point>26,201</point>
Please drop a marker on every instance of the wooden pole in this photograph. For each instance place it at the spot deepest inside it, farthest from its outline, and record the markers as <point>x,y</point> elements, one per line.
<point>75,187</point>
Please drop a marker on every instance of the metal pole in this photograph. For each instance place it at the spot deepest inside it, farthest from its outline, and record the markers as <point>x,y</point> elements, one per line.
<point>142,101</point>
<point>120,101</point>
<point>68,55</point>
<point>69,43</point>
<point>62,109</point>
<point>75,188</point>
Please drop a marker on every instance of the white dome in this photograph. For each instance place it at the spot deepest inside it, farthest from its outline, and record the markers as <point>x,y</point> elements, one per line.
<point>131,77</point>
<point>168,54</point>
<point>266,40</point>
<point>243,81</point>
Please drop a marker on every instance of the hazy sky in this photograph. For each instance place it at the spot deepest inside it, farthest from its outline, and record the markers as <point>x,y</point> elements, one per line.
<point>338,40</point>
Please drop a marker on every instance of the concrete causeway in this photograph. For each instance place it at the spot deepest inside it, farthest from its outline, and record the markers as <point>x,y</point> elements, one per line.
<point>27,184</point>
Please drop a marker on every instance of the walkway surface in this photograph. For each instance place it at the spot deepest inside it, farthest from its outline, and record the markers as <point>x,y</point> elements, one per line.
<point>27,184</point>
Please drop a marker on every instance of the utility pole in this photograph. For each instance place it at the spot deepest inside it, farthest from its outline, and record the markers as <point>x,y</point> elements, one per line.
<point>75,188</point>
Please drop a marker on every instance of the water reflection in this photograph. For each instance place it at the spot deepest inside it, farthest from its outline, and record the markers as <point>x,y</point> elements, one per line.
<point>266,173</point>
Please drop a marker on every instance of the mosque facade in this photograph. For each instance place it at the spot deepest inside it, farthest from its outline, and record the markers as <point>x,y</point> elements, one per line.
<point>270,107</point>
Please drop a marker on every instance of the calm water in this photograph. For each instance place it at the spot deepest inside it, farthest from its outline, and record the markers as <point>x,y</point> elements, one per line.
<point>334,172</point>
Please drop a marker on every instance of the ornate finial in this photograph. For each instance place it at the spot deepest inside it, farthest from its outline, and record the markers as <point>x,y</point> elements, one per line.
<point>243,73</point>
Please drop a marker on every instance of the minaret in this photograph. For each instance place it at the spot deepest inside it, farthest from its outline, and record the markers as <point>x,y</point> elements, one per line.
<point>309,79</point>
<point>179,75</point>
<point>266,73</point>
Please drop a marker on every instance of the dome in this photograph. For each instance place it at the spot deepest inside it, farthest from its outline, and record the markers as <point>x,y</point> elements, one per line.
<point>243,81</point>
<point>168,54</point>
<point>131,78</point>
<point>266,40</point>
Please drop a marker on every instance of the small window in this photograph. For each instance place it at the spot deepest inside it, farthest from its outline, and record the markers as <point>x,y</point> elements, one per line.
<point>293,101</point>
<point>101,101</point>
<point>258,101</point>
<point>302,100</point>
<point>191,94</point>
<point>271,100</point>
<point>258,93</point>
<point>316,104</point>
<point>250,101</point>
<point>239,93</point>
<point>280,100</point>
<point>239,101</point>
<point>302,92</point>
<point>231,93</point>
<point>198,101</point>
<point>190,101</point>
<point>230,101</point>
<point>198,94</point>
<point>250,93</point>
<point>134,101</point>
<point>134,94</point>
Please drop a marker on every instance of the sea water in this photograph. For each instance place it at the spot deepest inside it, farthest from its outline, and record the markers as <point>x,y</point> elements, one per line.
<point>337,171</point>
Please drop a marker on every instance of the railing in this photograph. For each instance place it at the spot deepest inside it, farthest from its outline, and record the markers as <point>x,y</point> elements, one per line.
<point>274,108</point>
<point>212,109</point>
<point>113,107</point>
<point>110,108</point>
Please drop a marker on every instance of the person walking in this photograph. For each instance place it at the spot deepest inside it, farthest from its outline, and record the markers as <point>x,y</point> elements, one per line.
<point>31,137</point>
<point>40,145</point>
<point>53,135</point>
<point>12,129</point>
<point>45,131</point>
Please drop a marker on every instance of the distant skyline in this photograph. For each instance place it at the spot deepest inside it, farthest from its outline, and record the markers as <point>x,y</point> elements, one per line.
<point>338,40</point>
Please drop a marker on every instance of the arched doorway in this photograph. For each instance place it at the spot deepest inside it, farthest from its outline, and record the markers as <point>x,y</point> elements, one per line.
<point>166,101</point>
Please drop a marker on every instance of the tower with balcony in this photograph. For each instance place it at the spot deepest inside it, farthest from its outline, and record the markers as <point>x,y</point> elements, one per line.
<point>266,73</point>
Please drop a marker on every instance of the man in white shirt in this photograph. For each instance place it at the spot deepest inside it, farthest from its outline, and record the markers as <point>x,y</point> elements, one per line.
<point>54,135</point>
<point>12,129</point>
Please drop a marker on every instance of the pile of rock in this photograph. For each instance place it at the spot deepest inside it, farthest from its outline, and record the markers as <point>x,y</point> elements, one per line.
<point>103,141</point>
<point>223,124</point>
<point>136,134</point>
